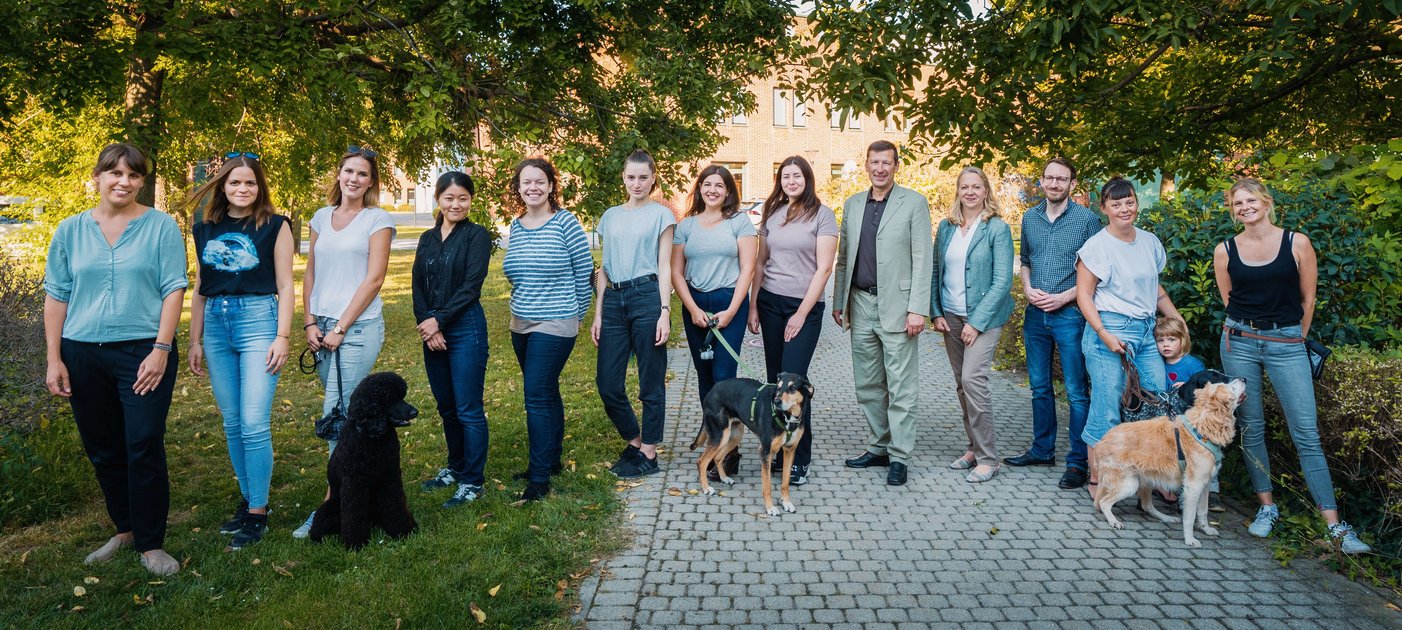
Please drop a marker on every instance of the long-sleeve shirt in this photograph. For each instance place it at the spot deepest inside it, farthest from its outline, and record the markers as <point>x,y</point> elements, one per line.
<point>448,273</point>
<point>115,292</point>
<point>550,269</point>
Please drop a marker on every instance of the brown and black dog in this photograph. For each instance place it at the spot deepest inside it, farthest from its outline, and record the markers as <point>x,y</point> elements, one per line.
<point>773,412</point>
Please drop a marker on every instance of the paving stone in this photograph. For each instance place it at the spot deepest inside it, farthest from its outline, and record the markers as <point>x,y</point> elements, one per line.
<point>860,554</point>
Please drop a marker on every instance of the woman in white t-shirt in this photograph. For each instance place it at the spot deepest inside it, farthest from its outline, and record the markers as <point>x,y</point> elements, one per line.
<point>347,259</point>
<point>1118,291</point>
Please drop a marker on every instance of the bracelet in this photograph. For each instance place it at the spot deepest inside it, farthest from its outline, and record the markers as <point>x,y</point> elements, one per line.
<point>308,325</point>
<point>163,346</point>
<point>667,307</point>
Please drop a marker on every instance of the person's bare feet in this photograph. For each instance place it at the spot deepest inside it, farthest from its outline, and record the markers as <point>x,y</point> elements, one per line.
<point>160,563</point>
<point>109,549</point>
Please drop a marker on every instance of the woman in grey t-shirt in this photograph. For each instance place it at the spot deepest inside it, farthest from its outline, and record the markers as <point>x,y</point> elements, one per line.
<point>632,314</point>
<point>713,261</point>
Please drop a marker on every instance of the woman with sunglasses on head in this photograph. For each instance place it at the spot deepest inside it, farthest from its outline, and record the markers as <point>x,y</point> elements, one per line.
<point>114,284</point>
<point>1267,277</point>
<point>713,261</point>
<point>797,249</point>
<point>548,263</point>
<point>347,259</point>
<point>449,268</point>
<point>632,315</point>
<point>240,324</point>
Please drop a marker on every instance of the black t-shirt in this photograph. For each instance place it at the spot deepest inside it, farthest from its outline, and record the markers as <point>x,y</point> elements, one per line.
<point>236,257</point>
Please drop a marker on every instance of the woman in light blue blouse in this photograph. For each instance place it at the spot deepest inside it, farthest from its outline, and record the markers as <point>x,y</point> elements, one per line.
<point>115,283</point>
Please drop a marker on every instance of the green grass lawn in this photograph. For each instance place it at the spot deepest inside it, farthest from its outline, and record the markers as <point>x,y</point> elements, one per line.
<point>537,553</point>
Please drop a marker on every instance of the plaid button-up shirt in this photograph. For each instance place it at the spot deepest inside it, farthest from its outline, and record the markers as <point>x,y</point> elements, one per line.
<point>1049,248</point>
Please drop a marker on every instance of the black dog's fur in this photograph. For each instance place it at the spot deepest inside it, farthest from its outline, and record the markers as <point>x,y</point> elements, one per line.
<point>367,488</point>
<point>739,403</point>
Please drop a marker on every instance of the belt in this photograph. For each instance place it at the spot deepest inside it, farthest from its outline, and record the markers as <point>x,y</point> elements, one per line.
<point>616,286</point>
<point>1263,325</point>
<point>868,290</point>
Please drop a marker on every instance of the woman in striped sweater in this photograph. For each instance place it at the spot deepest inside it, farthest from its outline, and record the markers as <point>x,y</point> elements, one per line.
<point>549,266</point>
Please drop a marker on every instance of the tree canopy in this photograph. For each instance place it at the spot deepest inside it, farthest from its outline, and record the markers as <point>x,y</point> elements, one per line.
<point>1127,86</point>
<point>475,82</point>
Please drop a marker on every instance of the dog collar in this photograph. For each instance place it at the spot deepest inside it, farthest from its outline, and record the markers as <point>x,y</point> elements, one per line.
<point>776,414</point>
<point>1212,447</point>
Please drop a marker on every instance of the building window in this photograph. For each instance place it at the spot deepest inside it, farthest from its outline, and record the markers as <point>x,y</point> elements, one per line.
<point>891,124</point>
<point>781,108</point>
<point>409,195</point>
<point>737,170</point>
<point>835,171</point>
<point>800,113</point>
<point>740,119</point>
<point>854,120</point>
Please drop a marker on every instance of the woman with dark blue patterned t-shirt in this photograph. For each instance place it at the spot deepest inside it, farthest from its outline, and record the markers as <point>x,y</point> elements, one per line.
<point>240,322</point>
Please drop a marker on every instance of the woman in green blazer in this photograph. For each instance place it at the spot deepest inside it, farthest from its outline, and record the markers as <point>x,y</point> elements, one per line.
<point>970,300</point>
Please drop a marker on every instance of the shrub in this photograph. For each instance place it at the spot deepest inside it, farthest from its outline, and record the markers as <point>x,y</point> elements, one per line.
<point>1010,353</point>
<point>23,397</point>
<point>1359,299</point>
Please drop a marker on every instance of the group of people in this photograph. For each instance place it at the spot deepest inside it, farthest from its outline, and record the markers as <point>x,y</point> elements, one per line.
<point>116,277</point>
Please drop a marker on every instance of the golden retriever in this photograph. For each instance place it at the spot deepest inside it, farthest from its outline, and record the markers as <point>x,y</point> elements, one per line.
<point>1137,457</point>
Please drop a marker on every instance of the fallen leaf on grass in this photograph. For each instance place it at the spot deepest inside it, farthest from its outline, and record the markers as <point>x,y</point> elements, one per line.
<point>494,590</point>
<point>91,580</point>
<point>572,466</point>
<point>76,609</point>
<point>535,527</point>
<point>156,582</point>
<point>281,571</point>
<point>477,612</point>
<point>591,476</point>
<point>24,557</point>
<point>560,589</point>
<point>257,562</point>
<point>501,486</point>
<point>79,591</point>
<point>518,503</point>
<point>481,526</point>
<point>195,530</point>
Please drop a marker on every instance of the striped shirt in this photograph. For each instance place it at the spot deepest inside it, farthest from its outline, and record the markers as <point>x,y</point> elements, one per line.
<point>1048,249</point>
<point>549,268</point>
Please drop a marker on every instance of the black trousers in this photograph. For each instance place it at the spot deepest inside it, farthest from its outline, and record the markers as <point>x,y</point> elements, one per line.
<point>123,433</point>
<point>792,356</point>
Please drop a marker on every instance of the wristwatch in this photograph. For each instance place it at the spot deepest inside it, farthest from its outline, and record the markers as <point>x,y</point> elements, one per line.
<point>338,330</point>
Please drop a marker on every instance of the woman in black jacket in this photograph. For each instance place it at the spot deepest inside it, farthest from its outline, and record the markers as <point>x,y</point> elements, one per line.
<point>449,267</point>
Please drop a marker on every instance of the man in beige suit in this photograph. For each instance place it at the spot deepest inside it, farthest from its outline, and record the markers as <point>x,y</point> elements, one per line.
<point>881,292</point>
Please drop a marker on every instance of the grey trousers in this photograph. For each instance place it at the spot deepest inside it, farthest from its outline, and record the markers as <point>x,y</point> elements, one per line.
<point>971,365</point>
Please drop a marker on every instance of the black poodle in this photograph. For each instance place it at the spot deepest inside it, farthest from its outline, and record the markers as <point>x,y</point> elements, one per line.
<point>367,488</point>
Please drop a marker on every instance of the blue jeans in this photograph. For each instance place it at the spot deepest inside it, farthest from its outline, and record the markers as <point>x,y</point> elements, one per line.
<point>1044,335</point>
<point>542,358</point>
<point>1107,374</point>
<point>1289,370</point>
<point>457,376</point>
<point>359,350</point>
<point>722,366</point>
<point>238,330</point>
<point>629,328</point>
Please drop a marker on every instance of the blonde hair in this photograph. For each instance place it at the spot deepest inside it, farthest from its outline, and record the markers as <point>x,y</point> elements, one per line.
<point>1177,328</point>
<point>990,205</point>
<point>1255,187</point>
<point>372,193</point>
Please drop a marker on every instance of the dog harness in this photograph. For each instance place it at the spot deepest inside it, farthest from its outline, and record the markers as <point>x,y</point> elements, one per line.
<point>776,415</point>
<point>1211,447</point>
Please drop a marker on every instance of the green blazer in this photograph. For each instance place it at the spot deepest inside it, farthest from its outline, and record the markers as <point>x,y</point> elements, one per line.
<point>988,273</point>
<point>902,256</point>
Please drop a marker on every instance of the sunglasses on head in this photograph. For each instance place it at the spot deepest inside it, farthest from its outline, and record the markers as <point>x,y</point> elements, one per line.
<point>236,154</point>
<point>362,151</point>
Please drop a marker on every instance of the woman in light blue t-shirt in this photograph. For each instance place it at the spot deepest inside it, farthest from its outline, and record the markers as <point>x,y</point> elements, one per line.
<point>632,315</point>
<point>713,262</point>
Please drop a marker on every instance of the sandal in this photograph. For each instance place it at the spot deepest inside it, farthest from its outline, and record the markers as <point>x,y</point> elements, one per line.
<point>961,464</point>
<point>978,477</point>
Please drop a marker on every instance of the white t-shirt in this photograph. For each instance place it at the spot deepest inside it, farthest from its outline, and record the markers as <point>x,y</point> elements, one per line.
<point>342,260</point>
<point>631,239</point>
<point>953,287</point>
<point>1128,272</point>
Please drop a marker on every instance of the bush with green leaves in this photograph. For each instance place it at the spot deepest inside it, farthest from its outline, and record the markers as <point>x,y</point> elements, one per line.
<point>23,396</point>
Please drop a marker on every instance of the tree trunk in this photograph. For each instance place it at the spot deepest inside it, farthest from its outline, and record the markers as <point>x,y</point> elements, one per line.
<point>141,116</point>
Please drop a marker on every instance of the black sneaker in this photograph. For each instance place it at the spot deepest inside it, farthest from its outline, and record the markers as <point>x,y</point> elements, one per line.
<point>525,475</point>
<point>444,479</point>
<point>625,459</point>
<point>254,525</point>
<point>798,475</point>
<point>641,466</point>
<point>233,525</point>
<point>466,493</point>
<point>1214,504</point>
<point>535,492</point>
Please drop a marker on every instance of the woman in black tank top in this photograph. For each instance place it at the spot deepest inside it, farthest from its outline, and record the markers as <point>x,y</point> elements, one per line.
<point>1270,305</point>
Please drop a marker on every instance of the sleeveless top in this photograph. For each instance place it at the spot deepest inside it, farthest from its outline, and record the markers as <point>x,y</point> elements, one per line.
<point>236,257</point>
<point>1265,293</point>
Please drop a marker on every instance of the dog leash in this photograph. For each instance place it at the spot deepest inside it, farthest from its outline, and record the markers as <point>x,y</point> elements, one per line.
<point>713,330</point>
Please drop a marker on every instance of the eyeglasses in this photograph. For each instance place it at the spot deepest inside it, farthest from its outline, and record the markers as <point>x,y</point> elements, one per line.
<point>234,154</point>
<point>1056,180</point>
<point>362,151</point>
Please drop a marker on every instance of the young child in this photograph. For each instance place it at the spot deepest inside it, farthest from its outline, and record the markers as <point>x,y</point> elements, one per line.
<point>1171,334</point>
<point>1175,345</point>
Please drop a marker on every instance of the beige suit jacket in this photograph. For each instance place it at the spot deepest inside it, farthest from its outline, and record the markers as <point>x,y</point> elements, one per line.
<point>903,256</point>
